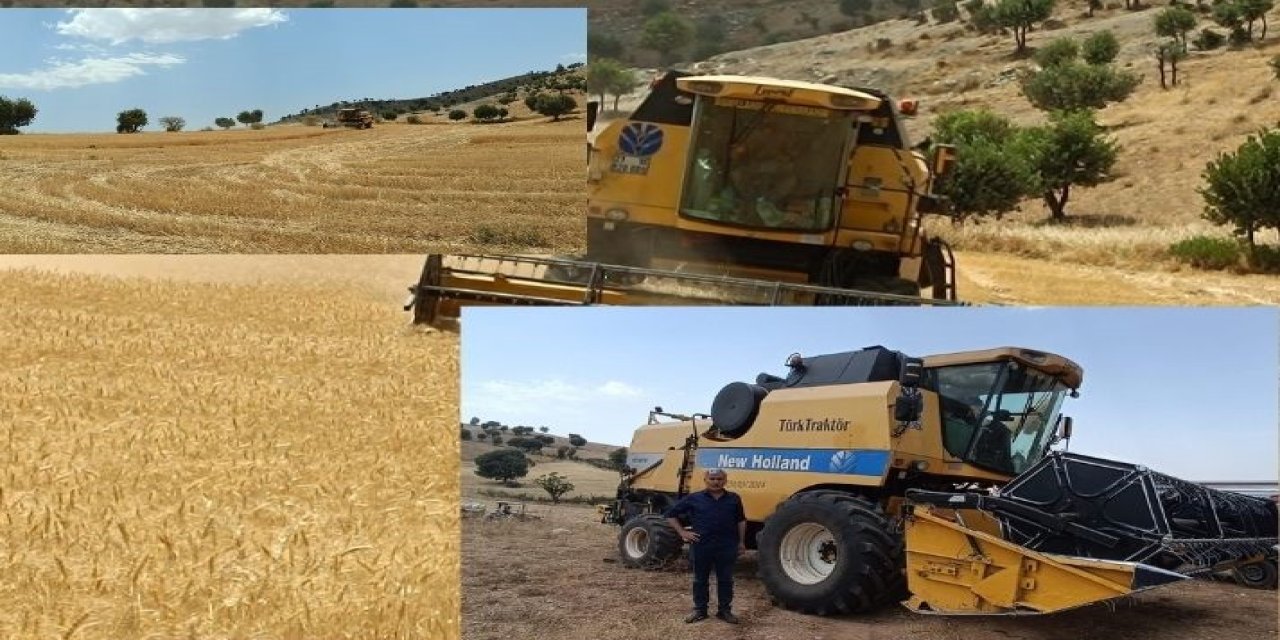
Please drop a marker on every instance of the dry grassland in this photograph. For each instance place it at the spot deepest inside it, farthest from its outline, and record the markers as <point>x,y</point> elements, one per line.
<point>587,480</point>
<point>243,448</point>
<point>555,578</point>
<point>395,188</point>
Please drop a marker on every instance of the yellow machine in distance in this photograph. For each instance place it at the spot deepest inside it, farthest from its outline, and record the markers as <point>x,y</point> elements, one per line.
<point>734,190</point>
<point>869,477</point>
<point>771,179</point>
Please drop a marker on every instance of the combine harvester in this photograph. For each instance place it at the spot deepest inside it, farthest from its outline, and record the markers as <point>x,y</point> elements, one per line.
<point>735,190</point>
<point>869,478</point>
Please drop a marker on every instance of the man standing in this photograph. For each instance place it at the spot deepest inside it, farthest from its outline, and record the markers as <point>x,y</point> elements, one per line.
<point>717,538</point>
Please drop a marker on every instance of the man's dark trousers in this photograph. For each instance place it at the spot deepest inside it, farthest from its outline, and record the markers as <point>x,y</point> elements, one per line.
<point>719,557</point>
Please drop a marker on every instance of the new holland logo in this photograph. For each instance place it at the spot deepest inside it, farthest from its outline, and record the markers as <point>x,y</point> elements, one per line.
<point>843,462</point>
<point>636,144</point>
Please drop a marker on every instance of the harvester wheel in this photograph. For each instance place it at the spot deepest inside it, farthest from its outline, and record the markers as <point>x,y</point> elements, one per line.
<point>1257,575</point>
<point>648,542</point>
<point>829,552</point>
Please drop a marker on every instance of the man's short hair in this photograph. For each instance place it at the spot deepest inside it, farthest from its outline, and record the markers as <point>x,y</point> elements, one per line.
<point>715,472</point>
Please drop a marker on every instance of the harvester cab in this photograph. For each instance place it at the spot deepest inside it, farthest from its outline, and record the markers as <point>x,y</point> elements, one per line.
<point>869,477</point>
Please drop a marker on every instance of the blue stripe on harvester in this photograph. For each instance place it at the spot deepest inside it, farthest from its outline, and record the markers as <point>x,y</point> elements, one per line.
<point>857,462</point>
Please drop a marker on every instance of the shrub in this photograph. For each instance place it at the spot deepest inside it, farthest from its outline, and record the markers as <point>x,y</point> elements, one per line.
<point>172,123</point>
<point>1242,188</point>
<point>503,465</point>
<point>389,114</point>
<point>1100,48</point>
<point>466,434</point>
<point>1209,40</point>
<point>1208,252</point>
<point>415,119</point>
<point>257,126</point>
<point>554,484</point>
<point>1059,51</point>
<point>457,114</point>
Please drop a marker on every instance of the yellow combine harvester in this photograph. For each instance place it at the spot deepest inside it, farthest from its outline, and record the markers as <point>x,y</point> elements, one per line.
<point>810,189</point>
<point>869,477</point>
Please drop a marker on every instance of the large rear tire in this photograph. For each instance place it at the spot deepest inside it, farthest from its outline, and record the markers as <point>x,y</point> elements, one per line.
<point>648,542</point>
<point>1257,575</point>
<point>829,552</point>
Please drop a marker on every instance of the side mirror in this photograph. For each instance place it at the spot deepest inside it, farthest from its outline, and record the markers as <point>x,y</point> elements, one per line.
<point>593,108</point>
<point>944,160</point>
<point>1066,428</point>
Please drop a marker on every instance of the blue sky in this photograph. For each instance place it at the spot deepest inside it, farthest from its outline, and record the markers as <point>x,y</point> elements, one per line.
<point>82,66</point>
<point>1186,391</point>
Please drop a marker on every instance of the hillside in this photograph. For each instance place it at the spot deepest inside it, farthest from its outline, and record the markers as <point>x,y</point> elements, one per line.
<point>570,79</point>
<point>588,480</point>
<point>1119,230</point>
<point>617,26</point>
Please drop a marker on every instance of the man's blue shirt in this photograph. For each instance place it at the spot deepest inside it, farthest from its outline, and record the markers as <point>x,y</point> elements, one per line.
<point>715,520</point>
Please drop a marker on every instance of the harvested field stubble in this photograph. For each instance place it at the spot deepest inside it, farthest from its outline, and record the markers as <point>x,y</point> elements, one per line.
<point>293,189</point>
<point>200,460</point>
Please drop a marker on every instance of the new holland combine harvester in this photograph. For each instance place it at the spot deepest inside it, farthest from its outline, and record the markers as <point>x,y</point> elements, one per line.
<point>735,190</point>
<point>869,477</point>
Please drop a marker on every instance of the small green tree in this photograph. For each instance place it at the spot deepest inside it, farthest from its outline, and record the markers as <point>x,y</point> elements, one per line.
<point>1168,55</point>
<point>389,114</point>
<point>1242,188</point>
<point>555,485</point>
<point>1252,11</point>
<point>457,114</point>
<point>1072,151</point>
<point>618,457</point>
<point>1228,14</point>
<point>577,440</point>
<point>1100,48</point>
<point>1019,16</point>
<point>666,34</point>
<point>990,177</point>
<point>172,123</point>
<point>482,436</point>
<point>1058,51</point>
<point>255,116</point>
<point>245,118</point>
<point>466,434</point>
<point>485,113</point>
<point>602,76</point>
<point>496,439</point>
<point>225,123</point>
<point>14,113</point>
<point>1075,85</point>
<point>544,429</point>
<point>131,121</point>
<point>1175,22</point>
<point>555,105</point>
<point>475,422</point>
<point>503,465</point>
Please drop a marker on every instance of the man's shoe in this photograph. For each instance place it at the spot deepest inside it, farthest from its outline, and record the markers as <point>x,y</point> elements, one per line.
<point>727,616</point>
<point>696,616</point>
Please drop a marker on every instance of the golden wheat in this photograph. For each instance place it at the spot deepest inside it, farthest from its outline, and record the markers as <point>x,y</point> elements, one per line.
<point>293,189</point>
<point>205,459</point>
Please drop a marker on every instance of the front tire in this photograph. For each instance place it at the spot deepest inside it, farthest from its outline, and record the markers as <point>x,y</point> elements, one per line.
<point>648,542</point>
<point>828,552</point>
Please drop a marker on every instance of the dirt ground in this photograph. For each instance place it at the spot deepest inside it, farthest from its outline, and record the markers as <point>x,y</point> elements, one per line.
<point>556,577</point>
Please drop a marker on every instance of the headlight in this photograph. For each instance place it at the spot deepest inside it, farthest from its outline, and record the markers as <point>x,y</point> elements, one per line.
<point>616,215</point>
<point>862,245</point>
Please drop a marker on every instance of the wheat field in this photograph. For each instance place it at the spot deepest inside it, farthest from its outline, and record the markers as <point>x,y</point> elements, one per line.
<point>395,188</point>
<point>224,447</point>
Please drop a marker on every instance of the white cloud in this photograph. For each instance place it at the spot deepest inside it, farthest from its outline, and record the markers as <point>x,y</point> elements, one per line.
<point>159,26</point>
<point>87,71</point>
<point>615,389</point>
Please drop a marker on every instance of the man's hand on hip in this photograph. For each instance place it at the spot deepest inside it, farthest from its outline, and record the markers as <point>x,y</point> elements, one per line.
<point>688,536</point>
